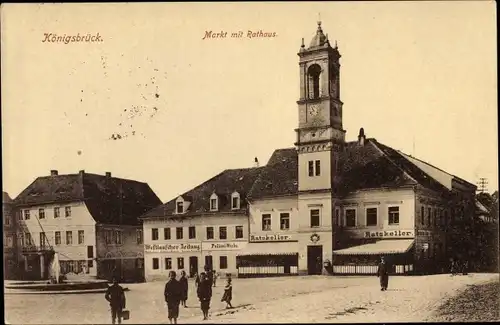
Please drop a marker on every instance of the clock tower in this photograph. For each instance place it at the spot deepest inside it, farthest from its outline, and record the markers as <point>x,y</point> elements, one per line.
<point>320,138</point>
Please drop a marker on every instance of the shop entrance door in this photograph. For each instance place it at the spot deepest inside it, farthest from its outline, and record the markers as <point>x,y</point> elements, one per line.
<point>193,265</point>
<point>314,259</point>
<point>209,262</point>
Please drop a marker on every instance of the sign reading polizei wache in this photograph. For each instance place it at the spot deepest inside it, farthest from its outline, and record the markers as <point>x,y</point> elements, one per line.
<point>270,238</point>
<point>172,248</point>
<point>223,246</point>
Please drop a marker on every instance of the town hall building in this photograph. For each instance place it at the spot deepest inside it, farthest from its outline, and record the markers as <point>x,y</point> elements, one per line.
<point>327,205</point>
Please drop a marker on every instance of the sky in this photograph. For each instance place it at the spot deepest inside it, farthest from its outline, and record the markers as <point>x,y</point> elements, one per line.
<point>154,102</point>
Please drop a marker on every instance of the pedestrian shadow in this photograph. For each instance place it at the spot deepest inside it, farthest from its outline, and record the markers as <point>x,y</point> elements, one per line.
<point>394,289</point>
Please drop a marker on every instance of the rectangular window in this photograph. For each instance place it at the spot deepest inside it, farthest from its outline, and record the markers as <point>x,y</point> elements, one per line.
<point>57,237</point>
<point>90,251</point>
<point>318,167</point>
<point>67,212</point>
<point>69,238</point>
<point>154,234</point>
<point>266,222</point>
<point>314,214</point>
<point>7,220</point>
<point>41,213</point>
<point>337,216</point>
<point>422,215</point>
<point>9,241</point>
<point>180,207</point>
<point>236,203</point>
<point>429,212</point>
<point>284,221</point>
<point>350,217</point>
<point>311,168</point>
<point>394,215</point>
<point>156,264</point>
<point>222,232</point>
<point>371,217</point>
<point>57,212</point>
<point>167,234</point>
<point>118,237</point>
<point>138,235</point>
<point>436,215</point>
<point>180,263</point>
<point>43,239</point>
<point>168,263</point>
<point>210,232</point>
<point>20,238</point>
<point>81,237</point>
<point>239,232</point>
<point>26,214</point>
<point>213,204</point>
<point>446,221</point>
<point>223,262</point>
<point>179,234</point>
<point>192,232</point>
<point>29,240</point>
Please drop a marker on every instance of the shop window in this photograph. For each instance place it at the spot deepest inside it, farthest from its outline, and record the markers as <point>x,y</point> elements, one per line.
<point>156,263</point>
<point>284,221</point>
<point>154,234</point>
<point>394,215</point>
<point>223,262</point>
<point>239,232</point>
<point>192,232</point>
<point>210,232</point>
<point>350,217</point>
<point>266,222</point>
<point>314,218</point>
<point>168,263</point>
<point>371,216</point>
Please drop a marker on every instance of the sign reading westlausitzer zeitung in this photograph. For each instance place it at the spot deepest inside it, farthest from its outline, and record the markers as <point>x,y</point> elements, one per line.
<point>172,248</point>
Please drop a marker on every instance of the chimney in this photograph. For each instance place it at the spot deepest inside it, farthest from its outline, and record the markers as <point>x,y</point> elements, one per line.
<point>256,162</point>
<point>108,175</point>
<point>361,137</point>
<point>82,172</point>
<point>53,172</point>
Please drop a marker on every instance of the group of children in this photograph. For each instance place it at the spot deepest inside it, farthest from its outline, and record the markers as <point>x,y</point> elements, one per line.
<point>176,292</point>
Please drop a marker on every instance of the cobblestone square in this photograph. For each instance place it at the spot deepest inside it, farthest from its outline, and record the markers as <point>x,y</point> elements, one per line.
<point>290,299</point>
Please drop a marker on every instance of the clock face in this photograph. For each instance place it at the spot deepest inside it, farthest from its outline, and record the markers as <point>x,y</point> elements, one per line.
<point>313,110</point>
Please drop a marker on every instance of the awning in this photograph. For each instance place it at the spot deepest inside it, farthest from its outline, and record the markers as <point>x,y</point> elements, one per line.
<point>385,246</point>
<point>269,249</point>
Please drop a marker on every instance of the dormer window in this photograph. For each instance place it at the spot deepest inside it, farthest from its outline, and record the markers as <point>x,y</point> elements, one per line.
<point>214,202</point>
<point>180,207</point>
<point>235,201</point>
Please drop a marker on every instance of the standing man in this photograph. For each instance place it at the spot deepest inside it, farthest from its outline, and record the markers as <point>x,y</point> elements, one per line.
<point>115,295</point>
<point>172,297</point>
<point>209,275</point>
<point>383,274</point>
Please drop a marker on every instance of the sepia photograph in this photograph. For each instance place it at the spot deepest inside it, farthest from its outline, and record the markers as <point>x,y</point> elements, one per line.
<point>250,162</point>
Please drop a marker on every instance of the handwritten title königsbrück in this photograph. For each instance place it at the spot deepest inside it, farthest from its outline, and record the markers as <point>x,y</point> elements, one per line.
<point>239,34</point>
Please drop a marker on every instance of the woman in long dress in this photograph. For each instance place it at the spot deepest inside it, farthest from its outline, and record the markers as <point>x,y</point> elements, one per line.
<point>228,294</point>
<point>183,282</point>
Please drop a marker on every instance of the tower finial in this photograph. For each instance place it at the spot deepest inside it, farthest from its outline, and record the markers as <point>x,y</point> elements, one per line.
<point>303,45</point>
<point>319,18</point>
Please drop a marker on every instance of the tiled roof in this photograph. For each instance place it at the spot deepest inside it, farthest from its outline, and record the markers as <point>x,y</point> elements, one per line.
<point>223,184</point>
<point>110,200</point>
<point>279,176</point>
<point>6,198</point>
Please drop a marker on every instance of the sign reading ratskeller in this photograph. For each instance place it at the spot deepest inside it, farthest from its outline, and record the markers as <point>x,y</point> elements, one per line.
<point>271,238</point>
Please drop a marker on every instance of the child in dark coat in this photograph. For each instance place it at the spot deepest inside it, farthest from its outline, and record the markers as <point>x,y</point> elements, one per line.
<point>183,282</point>
<point>204,294</point>
<point>228,294</point>
<point>172,297</point>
